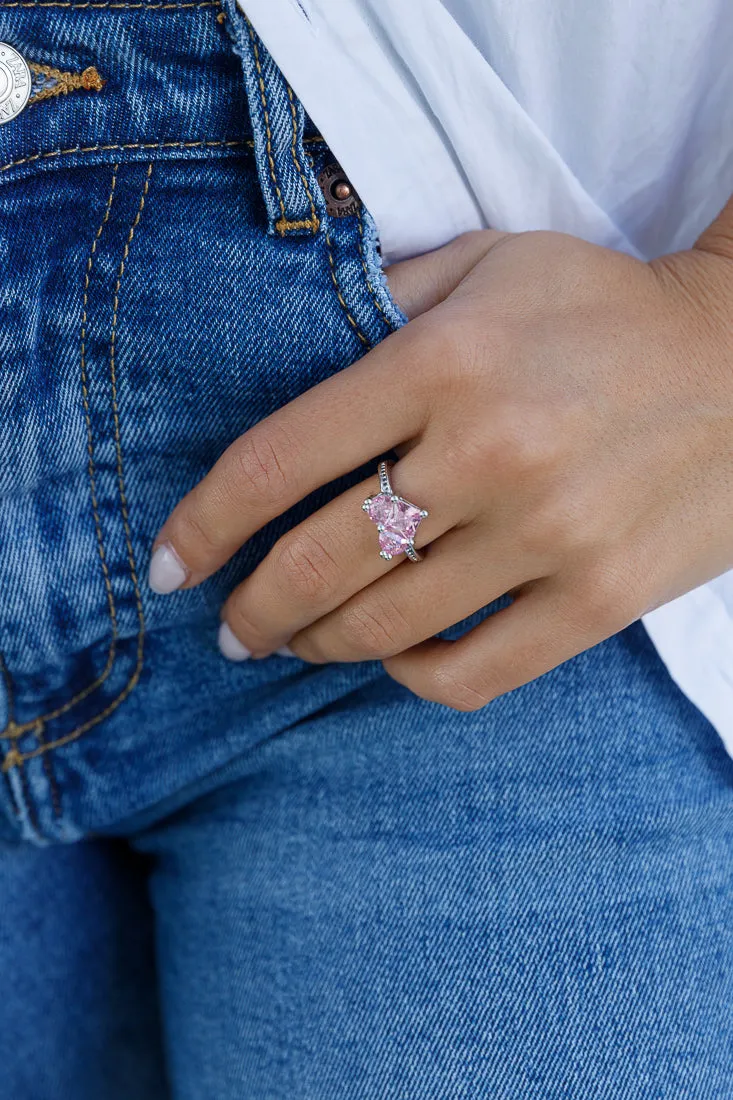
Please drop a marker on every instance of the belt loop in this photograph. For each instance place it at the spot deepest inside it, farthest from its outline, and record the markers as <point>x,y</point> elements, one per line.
<point>294,201</point>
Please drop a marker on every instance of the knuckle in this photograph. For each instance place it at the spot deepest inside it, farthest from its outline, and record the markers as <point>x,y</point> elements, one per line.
<point>525,440</point>
<point>260,465</point>
<point>198,540</point>
<point>455,692</point>
<point>552,528</point>
<point>469,248</point>
<point>472,240</point>
<point>306,566</point>
<point>436,353</point>
<point>609,597</point>
<point>565,519</point>
<point>471,454</point>
<point>244,628</point>
<point>375,630</point>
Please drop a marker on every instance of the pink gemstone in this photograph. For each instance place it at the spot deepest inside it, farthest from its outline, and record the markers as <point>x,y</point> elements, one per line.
<point>400,520</point>
<point>391,544</point>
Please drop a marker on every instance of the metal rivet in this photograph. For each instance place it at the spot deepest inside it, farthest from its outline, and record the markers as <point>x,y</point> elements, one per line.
<point>341,198</point>
<point>15,83</point>
<point>341,190</point>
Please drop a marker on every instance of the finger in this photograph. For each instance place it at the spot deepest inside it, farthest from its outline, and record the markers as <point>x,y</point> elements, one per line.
<point>412,603</point>
<point>423,282</point>
<point>511,648</point>
<point>323,561</point>
<point>325,433</point>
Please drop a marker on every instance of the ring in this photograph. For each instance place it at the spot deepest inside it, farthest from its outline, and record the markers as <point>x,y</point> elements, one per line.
<point>397,519</point>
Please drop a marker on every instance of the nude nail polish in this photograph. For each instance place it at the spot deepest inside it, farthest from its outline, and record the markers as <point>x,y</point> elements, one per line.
<point>167,571</point>
<point>230,646</point>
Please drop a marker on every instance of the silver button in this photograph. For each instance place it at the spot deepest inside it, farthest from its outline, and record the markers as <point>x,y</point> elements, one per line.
<point>15,83</point>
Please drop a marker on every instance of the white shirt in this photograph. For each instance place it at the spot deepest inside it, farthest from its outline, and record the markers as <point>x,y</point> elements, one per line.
<point>608,119</point>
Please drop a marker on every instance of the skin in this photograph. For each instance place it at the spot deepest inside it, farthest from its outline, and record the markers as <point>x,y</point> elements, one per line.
<point>564,412</point>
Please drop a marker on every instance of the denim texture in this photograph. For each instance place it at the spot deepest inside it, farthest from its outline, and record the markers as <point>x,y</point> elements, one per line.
<point>150,317</point>
<point>352,892</point>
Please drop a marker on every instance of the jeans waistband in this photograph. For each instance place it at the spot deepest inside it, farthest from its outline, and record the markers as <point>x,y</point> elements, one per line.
<point>125,80</point>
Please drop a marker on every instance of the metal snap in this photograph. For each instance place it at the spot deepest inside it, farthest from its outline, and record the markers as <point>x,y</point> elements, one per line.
<point>341,198</point>
<point>341,190</point>
<point>15,83</point>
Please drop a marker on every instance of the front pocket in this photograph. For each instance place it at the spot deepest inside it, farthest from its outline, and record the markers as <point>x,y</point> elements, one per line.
<point>151,320</point>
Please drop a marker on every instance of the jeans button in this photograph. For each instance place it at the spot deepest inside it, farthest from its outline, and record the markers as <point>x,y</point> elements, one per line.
<point>341,198</point>
<point>15,83</point>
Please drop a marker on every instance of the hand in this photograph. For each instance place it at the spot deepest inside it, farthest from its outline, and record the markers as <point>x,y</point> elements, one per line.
<point>564,412</point>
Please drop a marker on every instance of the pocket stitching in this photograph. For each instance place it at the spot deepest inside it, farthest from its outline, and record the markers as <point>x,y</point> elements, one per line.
<point>75,150</point>
<point>115,4</point>
<point>16,758</point>
<point>15,730</point>
<point>332,264</point>
<point>314,222</point>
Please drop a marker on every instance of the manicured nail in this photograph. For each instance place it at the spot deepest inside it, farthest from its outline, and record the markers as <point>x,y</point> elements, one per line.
<point>285,651</point>
<point>167,571</point>
<point>230,646</point>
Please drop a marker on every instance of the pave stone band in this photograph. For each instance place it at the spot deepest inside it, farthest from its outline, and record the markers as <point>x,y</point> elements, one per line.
<point>397,519</point>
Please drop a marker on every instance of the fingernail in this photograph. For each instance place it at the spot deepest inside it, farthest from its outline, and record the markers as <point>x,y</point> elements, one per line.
<point>167,571</point>
<point>230,646</point>
<point>285,651</point>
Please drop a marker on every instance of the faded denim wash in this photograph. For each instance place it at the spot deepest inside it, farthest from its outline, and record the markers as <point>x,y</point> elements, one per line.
<point>271,880</point>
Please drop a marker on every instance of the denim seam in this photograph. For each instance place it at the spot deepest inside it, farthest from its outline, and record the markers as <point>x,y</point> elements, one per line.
<point>285,224</point>
<point>268,131</point>
<point>21,798</point>
<point>110,4</point>
<point>29,805</point>
<point>12,757</point>
<point>369,283</point>
<point>15,730</point>
<point>15,758</point>
<point>118,440</point>
<point>332,264</point>
<point>76,149</point>
<point>14,807</point>
<point>314,223</point>
<point>91,469</point>
<point>47,763</point>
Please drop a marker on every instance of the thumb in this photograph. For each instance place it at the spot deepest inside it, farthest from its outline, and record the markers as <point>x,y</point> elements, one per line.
<point>419,284</point>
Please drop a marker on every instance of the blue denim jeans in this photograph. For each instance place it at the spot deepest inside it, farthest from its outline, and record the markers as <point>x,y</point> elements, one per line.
<point>271,880</point>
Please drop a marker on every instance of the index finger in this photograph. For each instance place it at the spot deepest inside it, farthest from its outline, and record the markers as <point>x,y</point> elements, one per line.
<point>328,431</point>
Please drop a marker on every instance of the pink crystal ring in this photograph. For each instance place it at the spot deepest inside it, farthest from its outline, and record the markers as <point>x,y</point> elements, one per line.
<point>397,520</point>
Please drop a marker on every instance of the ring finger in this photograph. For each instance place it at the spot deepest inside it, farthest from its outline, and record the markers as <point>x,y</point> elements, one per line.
<point>323,561</point>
